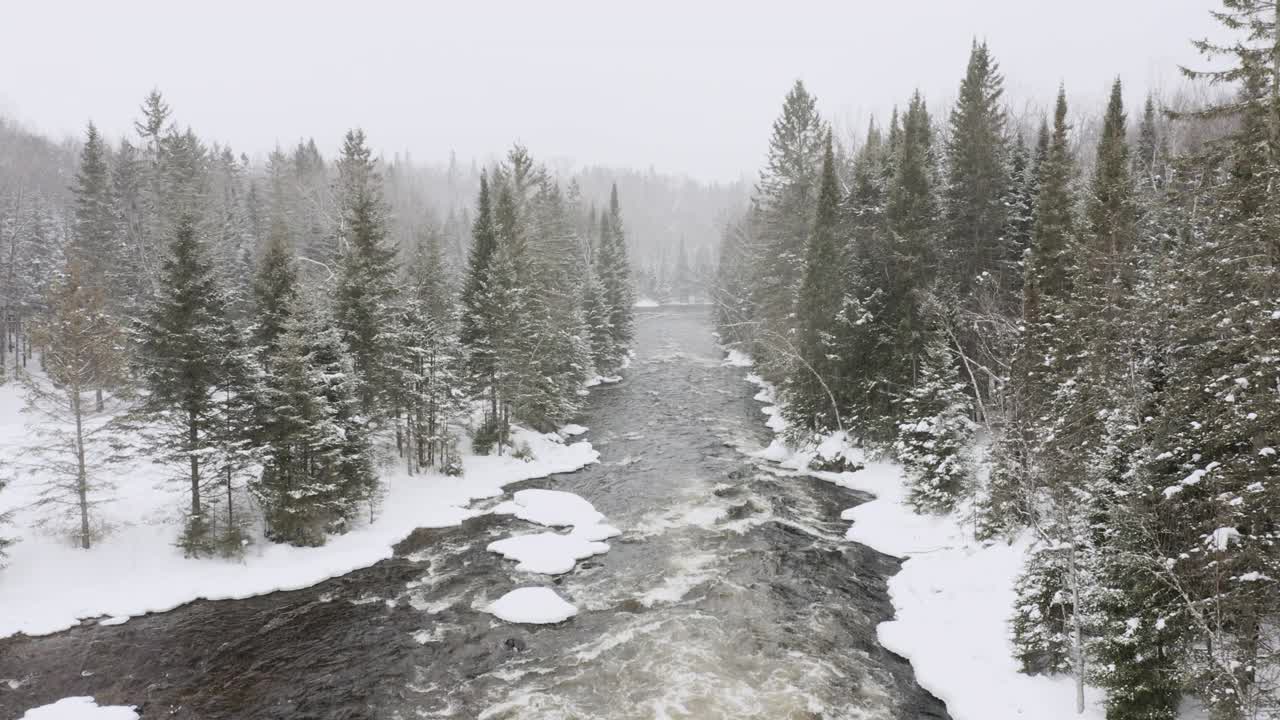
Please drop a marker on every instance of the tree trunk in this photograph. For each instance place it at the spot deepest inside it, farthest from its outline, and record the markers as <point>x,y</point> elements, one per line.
<point>193,437</point>
<point>1077,636</point>
<point>82,474</point>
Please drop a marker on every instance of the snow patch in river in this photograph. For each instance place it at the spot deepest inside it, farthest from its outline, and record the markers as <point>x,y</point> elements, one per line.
<point>80,708</point>
<point>553,553</point>
<point>548,553</point>
<point>572,430</point>
<point>532,605</point>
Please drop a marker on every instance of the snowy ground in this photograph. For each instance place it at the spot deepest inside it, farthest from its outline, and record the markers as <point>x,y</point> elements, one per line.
<point>50,585</point>
<point>953,597</point>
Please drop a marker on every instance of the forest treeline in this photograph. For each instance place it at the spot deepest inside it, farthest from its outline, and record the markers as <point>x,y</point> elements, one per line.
<point>271,334</point>
<point>1076,341</point>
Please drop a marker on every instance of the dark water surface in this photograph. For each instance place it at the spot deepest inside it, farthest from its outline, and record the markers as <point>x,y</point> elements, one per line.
<point>731,593</point>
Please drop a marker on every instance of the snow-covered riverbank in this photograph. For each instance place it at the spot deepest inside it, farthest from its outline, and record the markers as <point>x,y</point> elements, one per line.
<point>952,598</point>
<point>49,585</point>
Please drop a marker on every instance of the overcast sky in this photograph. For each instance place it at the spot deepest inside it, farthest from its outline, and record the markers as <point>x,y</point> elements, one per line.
<point>681,85</point>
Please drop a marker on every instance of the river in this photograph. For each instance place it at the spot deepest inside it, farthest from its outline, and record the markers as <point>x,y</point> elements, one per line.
<point>731,593</point>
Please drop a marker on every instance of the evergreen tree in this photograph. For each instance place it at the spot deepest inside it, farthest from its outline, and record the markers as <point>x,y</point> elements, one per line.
<point>977,177</point>
<point>96,240</point>
<point>891,279</point>
<point>810,402</point>
<point>183,356</point>
<point>615,274</point>
<point>317,467</point>
<point>430,382</point>
<point>784,201</point>
<point>480,310</point>
<point>366,292</point>
<point>936,431</point>
<point>1213,451</point>
<point>275,288</point>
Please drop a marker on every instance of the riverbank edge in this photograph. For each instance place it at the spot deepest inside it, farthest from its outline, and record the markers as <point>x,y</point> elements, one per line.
<point>953,595</point>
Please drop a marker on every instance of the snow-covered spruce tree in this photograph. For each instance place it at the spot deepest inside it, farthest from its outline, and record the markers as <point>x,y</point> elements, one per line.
<point>892,273</point>
<point>977,179</point>
<point>615,274</point>
<point>1019,202</point>
<point>1048,382</point>
<point>231,238</point>
<point>562,356</point>
<point>274,288</point>
<point>1041,622</point>
<point>1216,462</point>
<point>481,314</point>
<point>861,219</point>
<point>784,202</point>
<point>1142,635</point>
<point>83,351</point>
<point>366,293</point>
<point>96,238</point>
<point>810,402</point>
<point>596,316</point>
<point>317,466</point>
<point>186,350</point>
<point>430,385</point>
<point>936,430</point>
<point>512,290</point>
<point>1011,496</point>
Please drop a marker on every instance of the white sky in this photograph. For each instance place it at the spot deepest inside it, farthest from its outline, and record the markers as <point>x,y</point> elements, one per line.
<point>682,85</point>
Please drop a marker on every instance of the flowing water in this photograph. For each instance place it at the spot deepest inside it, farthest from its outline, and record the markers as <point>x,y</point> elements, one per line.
<point>731,593</point>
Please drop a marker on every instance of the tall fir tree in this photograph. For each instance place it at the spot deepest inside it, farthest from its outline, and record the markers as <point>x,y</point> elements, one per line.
<point>365,295</point>
<point>811,404</point>
<point>183,354</point>
<point>977,178</point>
<point>317,465</point>
<point>480,310</point>
<point>784,200</point>
<point>615,274</point>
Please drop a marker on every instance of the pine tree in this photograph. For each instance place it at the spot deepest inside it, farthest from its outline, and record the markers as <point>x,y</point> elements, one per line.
<point>1041,622</point>
<point>430,380</point>
<point>977,177</point>
<point>1036,366</point>
<point>96,240</point>
<point>275,287</point>
<point>1214,460</point>
<point>784,200</point>
<point>615,274</point>
<point>891,277</point>
<point>810,401</point>
<point>317,467</point>
<point>366,291</point>
<point>935,431</point>
<point>480,311</point>
<point>563,356</point>
<point>183,354</point>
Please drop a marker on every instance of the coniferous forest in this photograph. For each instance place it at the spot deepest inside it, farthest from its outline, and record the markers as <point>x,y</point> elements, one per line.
<point>1068,336</point>
<point>259,329</point>
<point>289,417</point>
